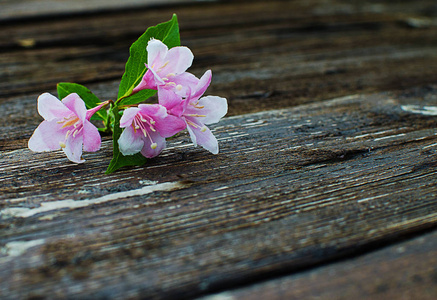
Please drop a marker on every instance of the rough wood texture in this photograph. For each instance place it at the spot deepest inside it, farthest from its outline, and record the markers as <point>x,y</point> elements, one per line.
<point>290,189</point>
<point>403,271</point>
<point>300,180</point>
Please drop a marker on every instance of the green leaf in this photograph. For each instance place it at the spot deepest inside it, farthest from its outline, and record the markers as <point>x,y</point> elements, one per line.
<point>167,32</point>
<point>119,160</point>
<point>91,100</point>
<point>141,96</point>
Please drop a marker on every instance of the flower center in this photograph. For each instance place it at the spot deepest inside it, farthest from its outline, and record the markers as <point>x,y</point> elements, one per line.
<point>145,124</point>
<point>74,125</point>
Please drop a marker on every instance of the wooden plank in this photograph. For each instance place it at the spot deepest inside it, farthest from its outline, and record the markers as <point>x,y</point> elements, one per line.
<point>290,189</point>
<point>264,56</point>
<point>18,10</point>
<point>402,271</point>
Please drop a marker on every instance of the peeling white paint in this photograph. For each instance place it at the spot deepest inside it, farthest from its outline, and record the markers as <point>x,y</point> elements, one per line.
<point>72,204</point>
<point>221,296</point>
<point>432,145</point>
<point>423,110</point>
<point>389,137</point>
<point>17,248</point>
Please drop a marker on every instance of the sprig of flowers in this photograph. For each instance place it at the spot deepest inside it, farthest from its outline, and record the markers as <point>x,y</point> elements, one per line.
<point>157,65</point>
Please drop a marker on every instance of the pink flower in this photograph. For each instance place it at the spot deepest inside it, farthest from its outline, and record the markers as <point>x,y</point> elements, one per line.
<point>146,128</point>
<point>167,67</point>
<point>66,125</point>
<point>197,112</point>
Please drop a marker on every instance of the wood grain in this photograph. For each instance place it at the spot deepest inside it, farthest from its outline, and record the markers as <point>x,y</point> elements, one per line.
<point>405,270</point>
<point>329,151</point>
<point>263,56</point>
<point>290,189</point>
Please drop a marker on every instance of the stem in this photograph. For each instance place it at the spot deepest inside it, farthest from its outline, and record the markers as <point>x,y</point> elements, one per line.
<point>107,122</point>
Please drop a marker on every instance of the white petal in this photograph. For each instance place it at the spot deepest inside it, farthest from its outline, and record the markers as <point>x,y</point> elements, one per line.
<point>214,109</point>
<point>49,107</point>
<point>156,52</point>
<point>129,142</point>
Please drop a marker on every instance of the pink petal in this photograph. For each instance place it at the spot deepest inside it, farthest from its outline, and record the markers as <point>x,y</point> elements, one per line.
<point>74,103</point>
<point>179,60</point>
<point>170,125</point>
<point>147,82</point>
<point>153,110</point>
<point>170,100</point>
<point>201,135</point>
<point>130,142</point>
<point>183,83</point>
<point>214,109</point>
<point>92,111</point>
<point>73,148</point>
<point>47,136</point>
<point>128,116</point>
<point>147,150</point>
<point>49,107</point>
<point>157,77</point>
<point>91,137</point>
<point>202,85</point>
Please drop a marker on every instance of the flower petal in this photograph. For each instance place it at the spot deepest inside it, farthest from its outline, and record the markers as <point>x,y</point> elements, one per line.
<point>73,148</point>
<point>202,85</point>
<point>148,82</point>
<point>49,107</point>
<point>156,53</point>
<point>184,83</point>
<point>47,136</point>
<point>159,142</point>
<point>179,60</point>
<point>170,125</point>
<point>128,116</point>
<point>91,137</point>
<point>214,108</point>
<point>170,100</point>
<point>153,110</point>
<point>130,142</point>
<point>74,103</point>
<point>156,77</point>
<point>201,135</point>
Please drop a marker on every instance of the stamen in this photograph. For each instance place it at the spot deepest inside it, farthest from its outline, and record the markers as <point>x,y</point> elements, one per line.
<point>195,115</point>
<point>196,105</point>
<point>144,132</point>
<point>203,129</point>
<point>163,66</point>
<point>154,145</point>
<point>62,144</point>
<point>179,87</point>
<point>74,121</point>
<point>192,124</point>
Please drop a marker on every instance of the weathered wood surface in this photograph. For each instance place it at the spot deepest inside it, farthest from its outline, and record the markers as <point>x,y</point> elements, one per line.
<point>300,181</point>
<point>403,271</point>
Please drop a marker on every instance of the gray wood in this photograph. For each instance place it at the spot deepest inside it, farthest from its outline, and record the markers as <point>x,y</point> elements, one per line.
<point>402,271</point>
<point>290,188</point>
<point>329,151</point>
